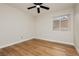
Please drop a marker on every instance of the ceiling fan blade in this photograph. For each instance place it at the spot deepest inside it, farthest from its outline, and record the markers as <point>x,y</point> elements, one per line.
<point>45,7</point>
<point>38,10</point>
<point>31,7</point>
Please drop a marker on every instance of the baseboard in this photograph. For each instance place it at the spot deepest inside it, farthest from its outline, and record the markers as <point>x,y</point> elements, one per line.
<point>77,49</point>
<point>57,41</point>
<point>35,38</point>
<point>15,43</point>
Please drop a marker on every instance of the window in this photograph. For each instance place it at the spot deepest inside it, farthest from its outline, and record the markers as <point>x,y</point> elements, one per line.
<point>61,23</point>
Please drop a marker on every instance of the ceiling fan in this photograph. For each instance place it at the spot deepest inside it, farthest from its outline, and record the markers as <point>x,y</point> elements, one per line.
<point>38,6</point>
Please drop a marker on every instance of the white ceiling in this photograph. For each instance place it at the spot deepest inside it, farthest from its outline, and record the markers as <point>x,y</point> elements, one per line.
<point>33,12</point>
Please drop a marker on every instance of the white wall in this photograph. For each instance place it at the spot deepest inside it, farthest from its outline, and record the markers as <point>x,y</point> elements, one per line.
<point>76,26</point>
<point>15,25</point>
<point>45,27</point>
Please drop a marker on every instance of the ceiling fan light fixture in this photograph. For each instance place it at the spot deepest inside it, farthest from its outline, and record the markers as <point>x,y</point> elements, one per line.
<point>38,6</point>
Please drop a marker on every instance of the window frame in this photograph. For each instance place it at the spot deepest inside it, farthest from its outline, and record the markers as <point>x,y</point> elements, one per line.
<point>59,18</point>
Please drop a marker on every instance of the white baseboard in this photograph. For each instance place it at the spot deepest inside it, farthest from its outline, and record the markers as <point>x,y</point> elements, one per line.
<point>57,41</point>
<point>15,42</point>
<point>34,38</point>
<point>77,48</point>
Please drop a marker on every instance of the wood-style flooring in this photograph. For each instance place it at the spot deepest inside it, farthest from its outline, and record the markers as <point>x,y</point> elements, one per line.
<point>37,47</point>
